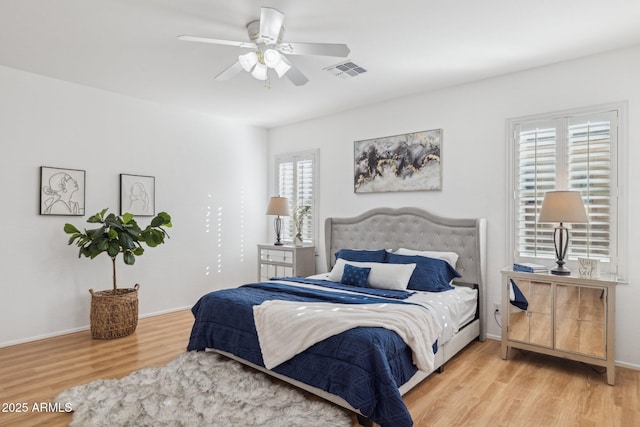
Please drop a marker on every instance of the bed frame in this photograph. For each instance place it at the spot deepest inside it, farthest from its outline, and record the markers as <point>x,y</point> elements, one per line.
<point>415,229</point>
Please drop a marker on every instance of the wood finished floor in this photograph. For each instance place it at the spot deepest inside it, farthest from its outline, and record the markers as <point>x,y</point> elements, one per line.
<point>477,388</point>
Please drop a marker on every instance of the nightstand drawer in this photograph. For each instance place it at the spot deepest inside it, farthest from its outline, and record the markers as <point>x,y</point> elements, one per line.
<point>283,256</point>
<point>285,261</point>
<point>268,271</point>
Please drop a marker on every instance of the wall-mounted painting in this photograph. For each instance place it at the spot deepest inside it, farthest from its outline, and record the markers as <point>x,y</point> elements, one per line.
<point>62,191</point>
<point>409,162</point>
<point>137,194</point>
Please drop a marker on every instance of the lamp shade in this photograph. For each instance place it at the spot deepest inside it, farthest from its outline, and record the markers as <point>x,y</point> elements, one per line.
<point>272,58</point>
<point>248,61</point>
<point>563,206</point>
<point>282,68</point>
<point>278,206</point>
<point>259,71</point>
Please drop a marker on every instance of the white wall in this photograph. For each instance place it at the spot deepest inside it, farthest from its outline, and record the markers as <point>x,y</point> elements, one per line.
<point>474,156</point>
<point>209,177</point>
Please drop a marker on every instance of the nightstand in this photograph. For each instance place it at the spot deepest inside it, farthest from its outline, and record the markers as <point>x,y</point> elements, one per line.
<point>567,316</point>
<point>285,261</point>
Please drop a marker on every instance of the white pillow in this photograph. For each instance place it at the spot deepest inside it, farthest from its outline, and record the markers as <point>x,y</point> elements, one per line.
<point>381,276</point>
<point>450,257</point>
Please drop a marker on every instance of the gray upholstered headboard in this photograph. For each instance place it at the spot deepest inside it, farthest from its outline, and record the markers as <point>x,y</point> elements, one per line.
<point>413,228</point>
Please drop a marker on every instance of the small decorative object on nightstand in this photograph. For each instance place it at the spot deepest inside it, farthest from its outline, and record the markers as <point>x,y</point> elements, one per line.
<point>588,268</point>
<point>285,261</point>
<point>569,317</point>
<point>299,215</point>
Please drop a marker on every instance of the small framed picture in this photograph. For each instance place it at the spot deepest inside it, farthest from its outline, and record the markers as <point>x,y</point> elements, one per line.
<point>137,194</point>
<point>62,191</point>
<point>588,268</point>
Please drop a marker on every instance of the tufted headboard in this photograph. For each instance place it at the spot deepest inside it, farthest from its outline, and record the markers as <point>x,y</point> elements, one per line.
<point>387,228</point>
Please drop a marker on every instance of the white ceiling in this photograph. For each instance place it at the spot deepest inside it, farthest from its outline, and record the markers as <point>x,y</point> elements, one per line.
<point>407,46</point>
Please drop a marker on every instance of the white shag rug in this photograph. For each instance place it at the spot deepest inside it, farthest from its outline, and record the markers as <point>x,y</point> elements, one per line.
<point>197,389</point>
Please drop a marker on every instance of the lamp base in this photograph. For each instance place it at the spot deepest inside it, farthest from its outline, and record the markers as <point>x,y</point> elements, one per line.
<point>277,226</point>
<point>561,271</point>
<point>561,244</point>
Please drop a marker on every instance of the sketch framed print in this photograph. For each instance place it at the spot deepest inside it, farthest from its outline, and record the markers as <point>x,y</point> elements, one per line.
<point>137,194</point>
<point>62,191</point>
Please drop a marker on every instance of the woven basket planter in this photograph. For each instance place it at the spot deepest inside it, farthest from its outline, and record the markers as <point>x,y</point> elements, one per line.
<point>114,315</point>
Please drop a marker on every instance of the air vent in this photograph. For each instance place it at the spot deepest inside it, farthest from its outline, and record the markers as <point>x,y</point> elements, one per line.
<point>346,69</point>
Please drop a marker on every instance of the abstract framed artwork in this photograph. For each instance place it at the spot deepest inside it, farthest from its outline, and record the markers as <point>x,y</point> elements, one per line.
<point>62,191</point>
<point>408,162</point>
<point>137,194</point>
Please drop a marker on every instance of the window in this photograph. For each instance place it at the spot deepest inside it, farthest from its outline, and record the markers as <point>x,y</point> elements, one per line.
<point>296,178</point>
<point>578,151</point>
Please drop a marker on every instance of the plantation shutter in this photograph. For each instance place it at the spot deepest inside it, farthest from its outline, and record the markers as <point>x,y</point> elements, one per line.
<point>296,182</point>
<point>573,152</point>
<point>589,152</point>
<point>536,176</point>
<point>305,196</point>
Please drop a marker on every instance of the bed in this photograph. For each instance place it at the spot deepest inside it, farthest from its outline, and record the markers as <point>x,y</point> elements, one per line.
<point>365,369</point>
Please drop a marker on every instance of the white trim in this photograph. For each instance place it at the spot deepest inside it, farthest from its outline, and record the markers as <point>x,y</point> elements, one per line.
<point>622,178</point>
<point>84,328</point>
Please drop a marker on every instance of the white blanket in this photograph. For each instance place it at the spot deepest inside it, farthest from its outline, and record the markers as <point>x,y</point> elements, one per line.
<point>286,328</point>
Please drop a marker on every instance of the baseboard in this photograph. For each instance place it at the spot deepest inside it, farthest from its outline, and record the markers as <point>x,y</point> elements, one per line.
<point>628,365</point>
<point>84,328</point>
<point>170,310</point>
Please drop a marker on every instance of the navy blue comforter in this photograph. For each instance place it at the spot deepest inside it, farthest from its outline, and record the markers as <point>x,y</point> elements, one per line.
<point>365,366</point>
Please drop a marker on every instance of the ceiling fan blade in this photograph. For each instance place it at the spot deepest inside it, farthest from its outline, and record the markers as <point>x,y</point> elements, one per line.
<point>270,24</point>
<point>217,41</point>
<point>323,49</point>
<point>230,72</point>
<point>294,74</point>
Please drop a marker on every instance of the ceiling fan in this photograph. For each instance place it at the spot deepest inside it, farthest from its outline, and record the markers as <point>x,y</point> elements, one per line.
<point>268,51</point>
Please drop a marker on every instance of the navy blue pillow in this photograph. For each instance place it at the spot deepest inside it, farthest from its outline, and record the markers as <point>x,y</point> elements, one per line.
<point>431,274</point>
<point>355,276</point>
<point>362,255</point>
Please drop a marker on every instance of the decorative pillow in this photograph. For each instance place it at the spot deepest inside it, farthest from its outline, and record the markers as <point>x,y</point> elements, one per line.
<point>430,274</point>
<point>450,257</point>
<point>381,276</point>
<point>362,255</point>
<point>355,276</point>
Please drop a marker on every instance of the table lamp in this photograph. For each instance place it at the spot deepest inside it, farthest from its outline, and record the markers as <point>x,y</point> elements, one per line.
<point>562,206</point>
<point>278,206</point>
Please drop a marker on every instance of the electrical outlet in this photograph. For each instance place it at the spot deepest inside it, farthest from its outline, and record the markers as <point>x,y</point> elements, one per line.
<point>496,307</point>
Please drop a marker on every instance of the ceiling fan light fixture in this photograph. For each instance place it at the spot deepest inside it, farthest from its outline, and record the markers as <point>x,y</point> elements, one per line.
<point>248,61</point>
<point>260,71</point>
<point>268,51</point>
<point>282,68</point>
<point>272,58</point>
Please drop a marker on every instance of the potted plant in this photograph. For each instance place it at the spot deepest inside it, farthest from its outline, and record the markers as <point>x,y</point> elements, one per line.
<point>299,215</point>
<point>114,312</point>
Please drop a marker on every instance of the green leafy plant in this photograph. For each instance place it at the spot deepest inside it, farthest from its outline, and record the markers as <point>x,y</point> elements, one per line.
<point>118,234</point>
<point>299,214</point>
